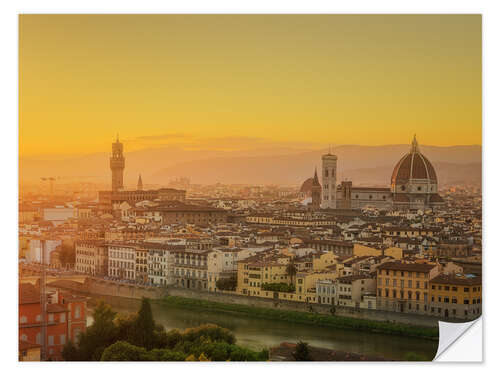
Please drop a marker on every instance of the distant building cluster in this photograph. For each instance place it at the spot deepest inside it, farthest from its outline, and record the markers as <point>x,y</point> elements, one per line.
<point>409,251</point>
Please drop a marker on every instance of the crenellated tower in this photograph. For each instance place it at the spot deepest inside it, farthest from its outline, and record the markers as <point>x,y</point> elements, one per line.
<point>117,165</point>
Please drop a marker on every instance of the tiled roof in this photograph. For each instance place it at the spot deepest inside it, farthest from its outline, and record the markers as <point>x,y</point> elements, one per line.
<point>399,266</point>
<point>457,279</point>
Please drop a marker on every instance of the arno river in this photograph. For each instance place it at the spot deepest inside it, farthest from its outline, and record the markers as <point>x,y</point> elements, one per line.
<point>258,333</point>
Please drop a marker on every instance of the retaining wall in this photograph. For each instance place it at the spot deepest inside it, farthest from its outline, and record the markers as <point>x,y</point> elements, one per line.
<point>377,315</point>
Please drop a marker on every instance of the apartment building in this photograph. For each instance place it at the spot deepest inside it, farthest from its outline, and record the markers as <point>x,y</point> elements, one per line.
<point>91,258</point>
<point>456,296</point>
<point>122,261</point>
<point>404,287</point>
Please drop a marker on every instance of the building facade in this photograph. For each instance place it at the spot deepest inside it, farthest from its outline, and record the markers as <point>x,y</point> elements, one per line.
<point>91,258</point>
<point>456,296</point>
<point>329,181</point>
<point>117,165</point>
<point>404,287</point>
<point>122,261</point>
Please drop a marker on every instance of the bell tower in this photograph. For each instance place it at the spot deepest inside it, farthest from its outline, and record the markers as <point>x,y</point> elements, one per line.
<point>117,165</point>
<point>329,179</point>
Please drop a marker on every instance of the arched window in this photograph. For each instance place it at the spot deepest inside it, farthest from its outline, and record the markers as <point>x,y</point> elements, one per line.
<point>403,188</point>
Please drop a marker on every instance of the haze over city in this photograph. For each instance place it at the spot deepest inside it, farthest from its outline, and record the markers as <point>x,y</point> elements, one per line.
<point>247,187</point>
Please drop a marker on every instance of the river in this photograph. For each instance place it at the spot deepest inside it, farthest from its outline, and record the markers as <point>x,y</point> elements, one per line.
<point>258,333</point>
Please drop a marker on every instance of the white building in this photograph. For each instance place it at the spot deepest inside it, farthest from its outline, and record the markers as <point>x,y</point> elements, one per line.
<point>160,264</point>
<point>221,262</point>
<point>35,249</point>
<point>91,257</point>
<point>329,181</point>
<point>326,292</point>
<point>121,263</point>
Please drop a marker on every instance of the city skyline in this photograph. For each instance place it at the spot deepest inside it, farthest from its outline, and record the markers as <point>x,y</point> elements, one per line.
<point>236,82</point>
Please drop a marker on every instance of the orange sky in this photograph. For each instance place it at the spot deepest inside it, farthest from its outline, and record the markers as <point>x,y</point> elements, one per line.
<point>243,81</point>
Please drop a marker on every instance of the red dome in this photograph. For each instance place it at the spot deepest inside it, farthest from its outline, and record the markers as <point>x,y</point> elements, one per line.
<point>413,165</point>
<point>307,186</point>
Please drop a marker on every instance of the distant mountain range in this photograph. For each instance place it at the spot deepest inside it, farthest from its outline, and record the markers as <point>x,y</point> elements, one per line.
<point>362,164</point>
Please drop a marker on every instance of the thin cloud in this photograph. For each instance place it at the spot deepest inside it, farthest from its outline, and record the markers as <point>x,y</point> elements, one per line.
<point>163,137</point>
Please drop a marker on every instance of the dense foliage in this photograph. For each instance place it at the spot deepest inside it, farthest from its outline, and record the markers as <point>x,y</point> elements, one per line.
<point>278,287</point>
<point>302,352</point>
<point>67,254</point>
<point>137,338</point>
<point>227,283</point>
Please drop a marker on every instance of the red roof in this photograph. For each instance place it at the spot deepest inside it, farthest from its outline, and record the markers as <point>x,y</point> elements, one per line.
<point>413,165</point>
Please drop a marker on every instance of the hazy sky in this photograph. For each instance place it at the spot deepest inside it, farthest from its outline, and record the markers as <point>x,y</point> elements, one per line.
<point>242,81</point>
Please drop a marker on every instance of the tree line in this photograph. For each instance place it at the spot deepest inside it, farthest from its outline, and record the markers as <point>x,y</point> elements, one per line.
<point>137,337</point>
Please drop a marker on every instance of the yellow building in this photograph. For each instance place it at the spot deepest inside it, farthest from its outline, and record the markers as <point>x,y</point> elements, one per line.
<point>404,287</point>
<point>456,296</point>
<point>362,250</point>
<point>395,252</point>
<point>29,351</point>
<point>260,269</point>
<point>321,261</point>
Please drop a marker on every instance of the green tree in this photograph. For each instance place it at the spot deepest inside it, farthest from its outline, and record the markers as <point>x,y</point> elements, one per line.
<point>291,270</point>
<point>70,352</point>
<point>67,254</point>
<point>414,357</point>
<point>227,283</point>
<point>124,351</point>
<point>102,333</point>
<point>302,352</point>
<point>144,327</point>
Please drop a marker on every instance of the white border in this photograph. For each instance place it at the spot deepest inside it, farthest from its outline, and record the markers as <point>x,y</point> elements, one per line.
<point>9,149</point>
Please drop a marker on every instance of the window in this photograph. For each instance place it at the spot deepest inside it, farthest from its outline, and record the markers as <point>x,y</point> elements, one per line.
<point>466,289</point>
<point>51,318</point>
<point>51,340</point>
<point>24,337</point>
<point>62,339</point>
<point>38,318</point>
<point>77,312</point>
<point>23,319</point>
<point>466,301</point>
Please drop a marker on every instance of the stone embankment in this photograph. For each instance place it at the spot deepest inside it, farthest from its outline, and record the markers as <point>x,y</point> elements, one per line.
<point>111,288</point>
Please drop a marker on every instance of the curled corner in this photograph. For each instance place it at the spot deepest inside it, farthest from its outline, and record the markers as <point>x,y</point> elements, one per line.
<point>449,333</point>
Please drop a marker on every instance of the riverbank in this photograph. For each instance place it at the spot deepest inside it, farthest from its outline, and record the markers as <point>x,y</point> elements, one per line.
<point>304,317</point>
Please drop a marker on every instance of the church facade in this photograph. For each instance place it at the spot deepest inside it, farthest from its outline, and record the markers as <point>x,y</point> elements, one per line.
<point>413,185</point>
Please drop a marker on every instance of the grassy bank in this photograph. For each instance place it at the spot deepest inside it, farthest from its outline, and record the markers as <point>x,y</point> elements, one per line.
<point>304,317</point>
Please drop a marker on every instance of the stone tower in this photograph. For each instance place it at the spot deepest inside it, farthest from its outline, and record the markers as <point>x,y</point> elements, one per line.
<point>315,192</point>
<point>117,165</point>
<point>139,183</point>
<point>329,179</point>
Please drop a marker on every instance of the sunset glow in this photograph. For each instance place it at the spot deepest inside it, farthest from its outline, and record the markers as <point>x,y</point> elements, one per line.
<point>231,82</point>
